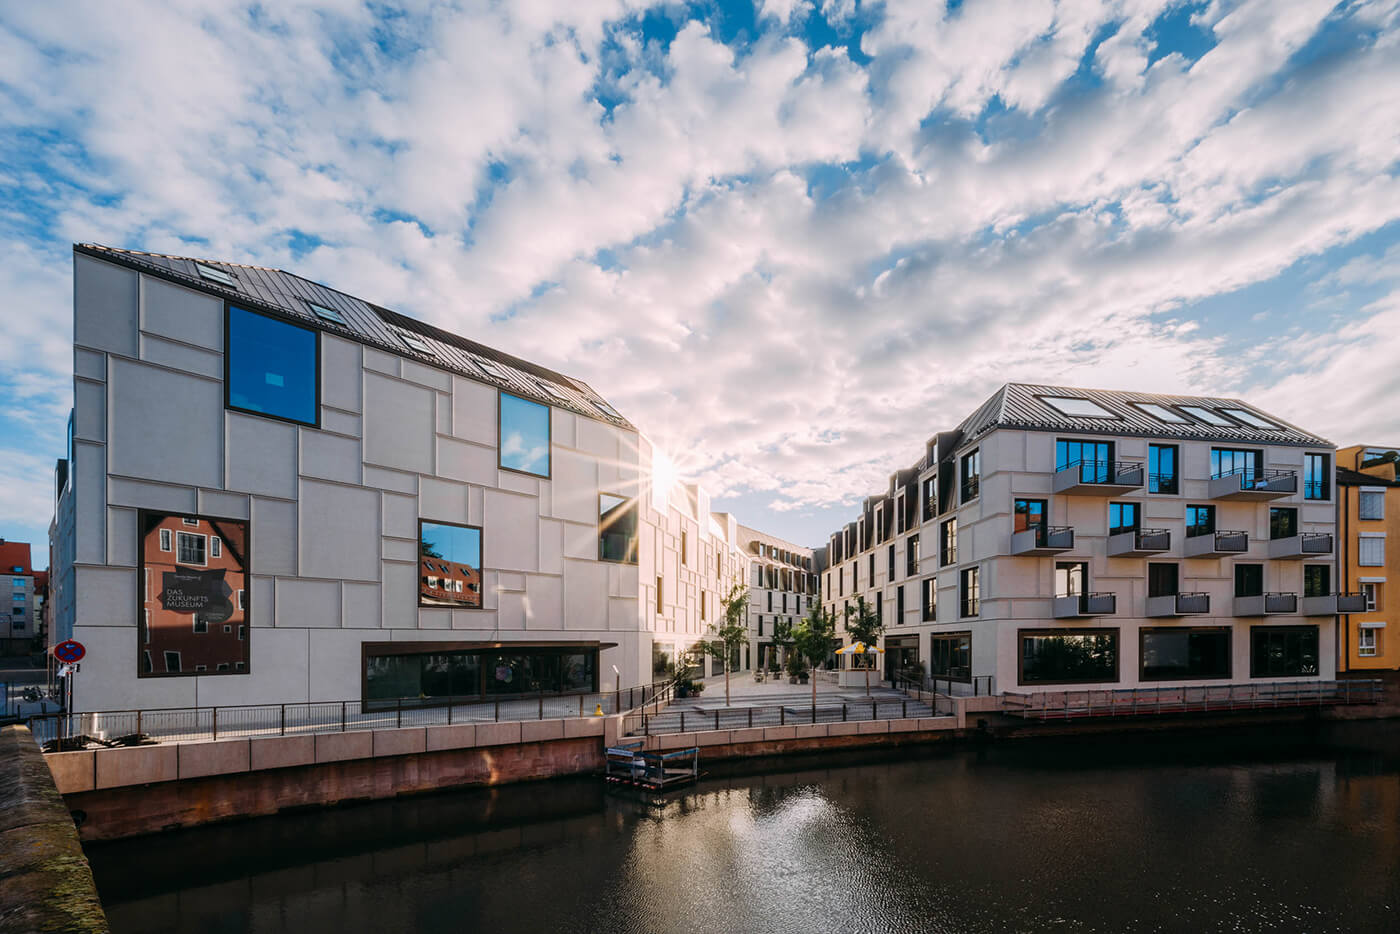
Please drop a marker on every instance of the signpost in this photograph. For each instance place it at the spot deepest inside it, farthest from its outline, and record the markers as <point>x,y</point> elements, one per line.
<point>70,652</point>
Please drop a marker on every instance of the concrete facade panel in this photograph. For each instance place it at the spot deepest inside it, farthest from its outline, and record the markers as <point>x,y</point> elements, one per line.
<point>329,457</point>
<point>308,604</point>
<point>443,501</point>
<point>182,314</point>
<point>473,411</point>
<point>89,411</point>
<point>89,490</point>
<point>137,765</point>
<point>121,537</point>
<point>339,528</point>
<point>104,306</point>
<point>399,424</point>
<point>278,668</point>
<point>519,550</point>
<point>175,356</point>
<point>470,463</point>
<point>400,592</point>
<point>90,364</point>
<point>281,752</point>
<point>274,536</point>
<point>154,414</point>
<point>106,596</point>
<point>262,456</point>
<point>340,373</point>
<point>197,760</point>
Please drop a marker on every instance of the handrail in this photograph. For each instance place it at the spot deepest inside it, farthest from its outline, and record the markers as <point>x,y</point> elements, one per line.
<point>185,724</point>
<point>1067,704</point>
<point>1113,469</point>
<point>794,714</point>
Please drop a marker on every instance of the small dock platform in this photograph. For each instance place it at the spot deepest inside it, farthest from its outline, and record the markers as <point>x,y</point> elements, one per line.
<point>628,764</point>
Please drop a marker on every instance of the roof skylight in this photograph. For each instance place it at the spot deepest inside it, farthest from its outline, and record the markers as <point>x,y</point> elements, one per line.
<point>1209,416</point>
<point>415,342</point>
<point>1077,407</point>
<point>215,275</point>
<point>327,314</point>
<point>606,409</point>
<point>1249,418</point>
<point>549,389</point>
<point>1161,413</point>
<point>492,369</point>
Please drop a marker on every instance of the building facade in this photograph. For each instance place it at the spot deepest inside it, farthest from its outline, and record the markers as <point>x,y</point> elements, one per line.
<point>1109,539</point>
<point>1368,519</point>
<point>23,608</point>
<point>782,582</point>
<point>277,492</point>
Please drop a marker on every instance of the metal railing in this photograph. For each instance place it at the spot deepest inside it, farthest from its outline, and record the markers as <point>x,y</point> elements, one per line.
<point>1063,705</point>
<point>197,724</point>
<point>1258,478</point>
<point>1115,473</point>
<point>923,706</point>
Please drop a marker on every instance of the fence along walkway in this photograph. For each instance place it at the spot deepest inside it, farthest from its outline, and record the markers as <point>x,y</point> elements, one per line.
<point>202,724</point>
<point>794,711</point>
<point>1063,705</point>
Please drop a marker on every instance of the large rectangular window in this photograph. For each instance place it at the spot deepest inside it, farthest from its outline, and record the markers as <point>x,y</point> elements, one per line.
<point>929,600</point>
<point>1282,651</point>
<point>1122,517</point>
<point>271,367</point>
<point>950,656</point>
<point>440,673</point>
<point>1071,578</point>
<point>911,556</point>
<point>1230,461</point>
<point>1185,654</point>
<point>948,546</point>
<point>1091,457</point>
<point>970,591</point>
<point>524,435</point>
<point>1370,551</point>
<point>889,561</point>
<point>1027,514</point>
<point>617,529</point>
<point>1163,580</point>
<point>1050,656</point>
<point>449,565</point>
<point>1161,469</point>
<point>1249,580</point>
<point>1317,476</point>
<point>1200,520</point>
<point>1283,522</point>
<point>1317,580</point>
<point>1371,504</point>
<point>930,498</point>
<point>190,611</point>
<point>971,475</point>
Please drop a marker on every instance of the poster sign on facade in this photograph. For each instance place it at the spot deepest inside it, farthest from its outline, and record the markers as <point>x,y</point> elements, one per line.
<point>194,599</point>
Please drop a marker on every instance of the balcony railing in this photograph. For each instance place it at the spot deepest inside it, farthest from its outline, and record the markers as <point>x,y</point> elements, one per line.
<point>1099,478</point>
<point>1266,604</point>
<point>1304,545</point>
<point>1085,604</point>
<point>1163,483</point>
<point>1178,604</point>
<point>1139,542</point>
<point>970,488</point>
<point>1333,604</point>
<point>1042,540</point>
<point>1250,483</point>
<point>1216,544</point>
<point>1072,704</point>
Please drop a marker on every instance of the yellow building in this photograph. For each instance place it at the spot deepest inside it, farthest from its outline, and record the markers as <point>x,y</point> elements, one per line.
<point>1368,527</point>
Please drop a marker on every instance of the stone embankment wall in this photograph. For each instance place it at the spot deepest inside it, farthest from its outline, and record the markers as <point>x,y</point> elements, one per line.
<point>45,882</point>
<point>125,792</point>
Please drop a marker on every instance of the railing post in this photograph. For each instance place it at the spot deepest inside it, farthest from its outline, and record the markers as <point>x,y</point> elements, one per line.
<point>646,726</point>
<point>342,716</point>
<point>903,710</point>
<point>874,710</point>
<point>214,729</point>
<point>282,727</point>
<point>682,721</point>
<point>843,711</point>
<point>782,716</point>
<point>580,706</point>
<point>398,718</point>
<point>541,716</point>
<point>750,718</point>
<point>449,711</point>
<point>138,725</point>
<point>498,710</point>
<point>814,713</point>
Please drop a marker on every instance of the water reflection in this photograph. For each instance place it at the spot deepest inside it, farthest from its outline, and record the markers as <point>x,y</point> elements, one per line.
<point>1239,832</point>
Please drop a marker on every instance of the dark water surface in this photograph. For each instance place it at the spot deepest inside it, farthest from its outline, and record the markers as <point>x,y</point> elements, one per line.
<point>1257,830</point>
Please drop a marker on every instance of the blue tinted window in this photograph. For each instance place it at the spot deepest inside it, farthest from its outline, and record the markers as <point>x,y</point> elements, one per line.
<point>524,435</point>
<point>272,367</point>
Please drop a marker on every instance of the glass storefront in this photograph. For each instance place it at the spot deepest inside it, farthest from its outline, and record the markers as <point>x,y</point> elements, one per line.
<point>473,674</point>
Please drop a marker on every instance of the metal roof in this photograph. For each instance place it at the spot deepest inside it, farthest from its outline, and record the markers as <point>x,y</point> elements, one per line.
<point>289,295</point>
<point>1023,405</point>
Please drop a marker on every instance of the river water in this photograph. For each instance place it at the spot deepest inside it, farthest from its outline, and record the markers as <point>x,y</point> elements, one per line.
<point>1251,830</point>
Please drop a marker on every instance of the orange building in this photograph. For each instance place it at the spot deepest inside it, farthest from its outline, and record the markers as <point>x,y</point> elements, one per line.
<point>447,583</point>
<point>1368,519</point>
<point>194,595</point>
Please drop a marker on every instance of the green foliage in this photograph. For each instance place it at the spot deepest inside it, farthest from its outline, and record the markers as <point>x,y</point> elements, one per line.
<point>863,625</point>
<point>814,639</point>
<point>731,631</point>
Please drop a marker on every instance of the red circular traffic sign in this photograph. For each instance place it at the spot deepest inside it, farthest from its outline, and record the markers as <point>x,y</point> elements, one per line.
<point>69,651</point>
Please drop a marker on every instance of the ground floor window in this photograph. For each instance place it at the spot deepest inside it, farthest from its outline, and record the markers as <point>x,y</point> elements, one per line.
<point>436,676</point>
<point>1282,651</point>
<point>1049,656</point>
<point>1185,654</point>
<point>950,656</point>
<point>1366,643</point>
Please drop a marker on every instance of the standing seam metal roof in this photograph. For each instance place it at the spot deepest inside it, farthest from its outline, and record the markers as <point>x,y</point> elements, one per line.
<point>288,295</point>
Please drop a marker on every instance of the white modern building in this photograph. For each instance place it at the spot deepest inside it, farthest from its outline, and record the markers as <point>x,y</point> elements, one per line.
<point>277,492</point>
<point>1064,536</point>
<point>782,582</point>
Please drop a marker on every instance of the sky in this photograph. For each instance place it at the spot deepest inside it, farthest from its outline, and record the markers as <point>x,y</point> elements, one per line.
<point>790,240</point>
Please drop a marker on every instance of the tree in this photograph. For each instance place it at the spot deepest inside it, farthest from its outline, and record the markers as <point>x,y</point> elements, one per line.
<point>782,637</point>
<point>865,627</point>
<point>814,639</point>
<point>732,632</point>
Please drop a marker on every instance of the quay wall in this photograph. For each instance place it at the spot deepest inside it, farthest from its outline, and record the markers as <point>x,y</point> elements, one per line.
<point>45,881</point>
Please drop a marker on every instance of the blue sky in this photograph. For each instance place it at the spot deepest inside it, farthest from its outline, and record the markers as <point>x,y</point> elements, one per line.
<point>790,240</point>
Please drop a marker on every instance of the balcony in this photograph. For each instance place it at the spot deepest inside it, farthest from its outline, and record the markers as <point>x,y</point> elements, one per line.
<point>1304,545</point>
<point>1178,604</point>
<point>1333,604</point>
<point>1042,540</point>
<point>1216,544</point>
<point>1099,478</point>
<point>1138,542</point>
<point>1086,604</point>
<point>1243,483</point>
<point>1266,604</point>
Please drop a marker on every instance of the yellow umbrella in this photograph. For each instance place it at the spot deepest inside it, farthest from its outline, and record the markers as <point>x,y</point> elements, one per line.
<point>860,648</point>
